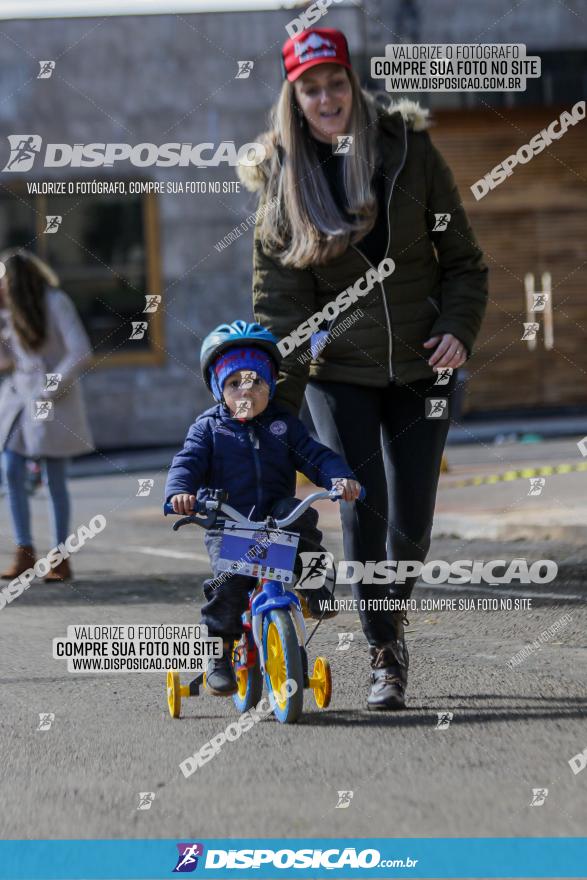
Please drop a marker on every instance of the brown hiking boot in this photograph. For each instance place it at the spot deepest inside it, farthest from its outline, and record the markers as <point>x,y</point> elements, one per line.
<point>389,663</point>
<point>24,559</point>
<point>61,572</point>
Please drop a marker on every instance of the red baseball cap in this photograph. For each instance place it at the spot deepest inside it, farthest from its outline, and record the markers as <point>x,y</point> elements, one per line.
<point>312,47</point>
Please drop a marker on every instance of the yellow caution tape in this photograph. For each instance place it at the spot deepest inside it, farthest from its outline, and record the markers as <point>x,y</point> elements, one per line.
<point>524,473</point>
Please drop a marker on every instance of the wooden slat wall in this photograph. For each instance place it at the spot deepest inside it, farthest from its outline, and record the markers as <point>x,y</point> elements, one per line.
<point>535,221</point>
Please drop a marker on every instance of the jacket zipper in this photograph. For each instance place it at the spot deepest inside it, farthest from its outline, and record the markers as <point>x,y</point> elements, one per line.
<point>255,446</point>
<point>387,318</point>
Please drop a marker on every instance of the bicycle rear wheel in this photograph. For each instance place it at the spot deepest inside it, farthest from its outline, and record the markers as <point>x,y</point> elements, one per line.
<point>248,678</point>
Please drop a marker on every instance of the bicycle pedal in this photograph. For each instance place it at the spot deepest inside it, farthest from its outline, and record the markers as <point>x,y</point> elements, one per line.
<point>304,605</point>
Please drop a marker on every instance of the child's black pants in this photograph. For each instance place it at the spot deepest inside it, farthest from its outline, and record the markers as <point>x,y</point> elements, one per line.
<point>228,596</point>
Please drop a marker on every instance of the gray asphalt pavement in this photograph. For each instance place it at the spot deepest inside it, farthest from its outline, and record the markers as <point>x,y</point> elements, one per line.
<point>513,729</point>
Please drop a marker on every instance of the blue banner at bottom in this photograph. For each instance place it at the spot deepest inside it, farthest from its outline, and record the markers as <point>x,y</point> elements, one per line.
<point>504,857</point>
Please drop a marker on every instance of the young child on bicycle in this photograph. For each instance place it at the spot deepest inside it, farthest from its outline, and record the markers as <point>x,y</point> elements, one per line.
<point>251,448</point>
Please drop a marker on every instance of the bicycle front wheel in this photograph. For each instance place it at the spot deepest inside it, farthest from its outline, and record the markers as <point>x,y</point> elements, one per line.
<point>283,664</point>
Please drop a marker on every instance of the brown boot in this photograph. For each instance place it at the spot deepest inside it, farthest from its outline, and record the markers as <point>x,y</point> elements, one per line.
<point>61,572</point>
<point>24,558</point>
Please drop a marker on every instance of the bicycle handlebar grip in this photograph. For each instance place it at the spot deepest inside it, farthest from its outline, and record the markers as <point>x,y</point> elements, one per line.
<point>168,508</point>
<point>362,495</point>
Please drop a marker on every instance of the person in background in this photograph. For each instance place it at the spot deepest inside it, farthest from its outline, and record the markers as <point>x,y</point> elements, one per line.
<point>42,413</point>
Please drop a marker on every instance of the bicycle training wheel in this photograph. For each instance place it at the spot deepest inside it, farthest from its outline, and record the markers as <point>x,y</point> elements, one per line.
<point>173,693</point>
<point>321,682</point>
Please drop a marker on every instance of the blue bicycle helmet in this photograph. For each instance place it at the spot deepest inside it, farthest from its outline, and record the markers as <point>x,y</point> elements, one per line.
<point>234,335</point>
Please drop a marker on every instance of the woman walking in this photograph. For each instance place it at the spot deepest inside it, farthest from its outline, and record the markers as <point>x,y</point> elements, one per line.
<point>42,414</point>
<point>326,220</point>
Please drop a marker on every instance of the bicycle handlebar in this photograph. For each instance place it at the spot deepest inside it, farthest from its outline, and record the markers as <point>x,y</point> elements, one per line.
<point>212,507</point>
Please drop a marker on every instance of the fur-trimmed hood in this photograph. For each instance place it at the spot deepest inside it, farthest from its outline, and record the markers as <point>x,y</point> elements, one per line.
<point>253,177</point>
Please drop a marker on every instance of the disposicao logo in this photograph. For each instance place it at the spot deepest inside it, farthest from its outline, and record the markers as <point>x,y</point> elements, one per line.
<point>329,859</point>
<point>24,149</point>
<point>187,860</point>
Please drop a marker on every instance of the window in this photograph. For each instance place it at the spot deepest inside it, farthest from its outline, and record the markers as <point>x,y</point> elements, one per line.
<point>106,254</point>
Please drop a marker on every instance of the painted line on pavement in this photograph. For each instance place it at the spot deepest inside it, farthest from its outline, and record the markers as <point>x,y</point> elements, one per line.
<point>170,554</point>
<point>489,588</point>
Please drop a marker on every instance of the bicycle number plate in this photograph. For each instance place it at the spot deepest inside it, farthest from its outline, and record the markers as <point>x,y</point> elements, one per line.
<point>258,554</point>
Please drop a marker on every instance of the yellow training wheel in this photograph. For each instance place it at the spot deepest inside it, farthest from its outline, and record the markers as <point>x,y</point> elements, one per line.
<point>173,693</point>
<point>321,682</point>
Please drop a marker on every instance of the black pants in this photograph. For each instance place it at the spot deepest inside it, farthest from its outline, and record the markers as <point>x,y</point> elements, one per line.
<point>395,452</point>
<point>228,597</point>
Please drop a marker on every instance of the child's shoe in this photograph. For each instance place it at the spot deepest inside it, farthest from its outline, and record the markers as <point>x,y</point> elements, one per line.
<point>317,604</point>
<point>220,677</point>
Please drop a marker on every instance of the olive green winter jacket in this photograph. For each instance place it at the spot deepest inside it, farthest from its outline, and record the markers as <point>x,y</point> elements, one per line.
<point>439,284</point>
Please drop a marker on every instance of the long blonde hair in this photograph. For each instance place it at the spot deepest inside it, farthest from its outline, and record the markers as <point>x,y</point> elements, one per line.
<point>301,222</point>
<point>27,278</point>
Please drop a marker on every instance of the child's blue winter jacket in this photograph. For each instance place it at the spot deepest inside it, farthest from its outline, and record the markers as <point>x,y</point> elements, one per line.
<point>255,461</point>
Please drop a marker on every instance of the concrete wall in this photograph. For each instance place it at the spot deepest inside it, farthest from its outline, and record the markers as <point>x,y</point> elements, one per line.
<point>540,24</point>
<point>157,79</point>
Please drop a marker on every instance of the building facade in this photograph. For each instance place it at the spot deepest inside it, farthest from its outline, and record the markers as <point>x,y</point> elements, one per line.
<point>173,78</point>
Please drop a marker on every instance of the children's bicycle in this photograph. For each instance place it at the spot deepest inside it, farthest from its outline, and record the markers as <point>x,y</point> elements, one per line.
<point>272,647</point>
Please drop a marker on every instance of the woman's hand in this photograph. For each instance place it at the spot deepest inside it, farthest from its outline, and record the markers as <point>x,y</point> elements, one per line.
<point>183,503</point>
<point>349,489</point>
<point>450,352</point>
